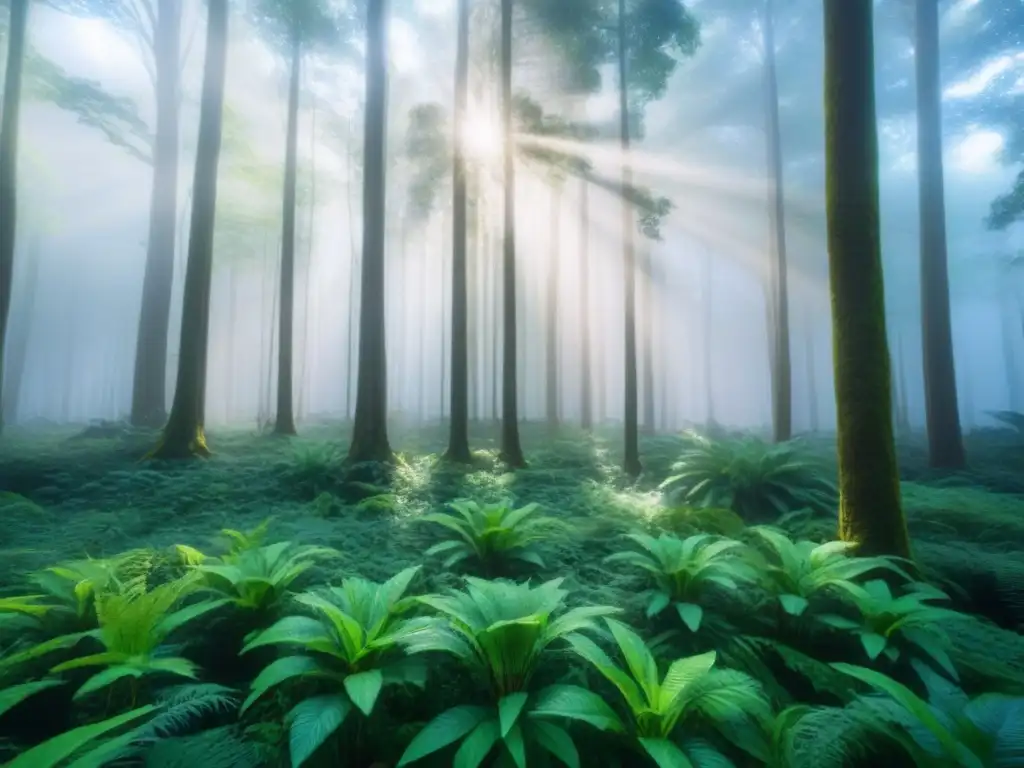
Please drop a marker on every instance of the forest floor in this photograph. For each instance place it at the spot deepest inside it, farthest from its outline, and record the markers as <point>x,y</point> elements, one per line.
<point>67,495</point>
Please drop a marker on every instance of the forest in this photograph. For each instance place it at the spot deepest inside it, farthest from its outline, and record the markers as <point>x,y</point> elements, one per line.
<point>512,383</point>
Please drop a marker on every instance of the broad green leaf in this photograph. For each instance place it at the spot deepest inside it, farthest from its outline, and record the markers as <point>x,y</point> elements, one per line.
<point>516,745</point>
<point>294,630</point>
<point>794,605</point>
<point>691,614</point>
<point>445,729</point>
<point>481,740</point>
<point>574,703</point>
<point>108,676</point>
<point>312,722</point>
<point>665,753</point>
<point>364,688</point>
<point>13,696</point>
<point>509,708</point>
<point>556,741</point>
<point>277,672</point>
<point>873,644</point>
<point>681,674</point>
<point>52,751</point>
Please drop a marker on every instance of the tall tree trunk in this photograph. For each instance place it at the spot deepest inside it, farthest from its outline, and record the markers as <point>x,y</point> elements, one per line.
<point>1009,337</point>
<point>812,374</point>
<point>708,345</point>
<point>870,514</point>
<point>353,269</point>
<point>586,398</point>
<point>458,434</point>
<point>285,423</point>
<point>631,460</point>
<point>551,382</point>
<point>149,398</point>
<point>903,392</point>
<point>370,431</point>
<point>781,369</point>
<point>9,124</point>
<point>494,257</point>
<point>647,338</point>
<point>942,416</point>
<point>442,257</point>
<point>511,449</point>
<point>19,331</point>
<point>229,354</point>
<point>184,435</point>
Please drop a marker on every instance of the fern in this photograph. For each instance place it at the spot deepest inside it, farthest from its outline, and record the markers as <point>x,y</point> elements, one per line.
<point>185,706</point>
<point>216,748</point>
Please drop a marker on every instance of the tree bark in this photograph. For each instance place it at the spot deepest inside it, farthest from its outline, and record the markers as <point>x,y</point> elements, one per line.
<point>511,449</point>
<point>370,431</point>
<point>9,125</point>
<point>586,385</point>
<point>184,435</point>
<point>708,345</point>
<point>19,331</point>
<point>942,415</point>
<point>551,363</point>
<point>812,375</point>
<point>631,459</point>
<point>285,422</point>
<point>870,514</point>
<point>781,369</point>
<point>149,387</point>
<point>458,434</point>
<point>647,339</point>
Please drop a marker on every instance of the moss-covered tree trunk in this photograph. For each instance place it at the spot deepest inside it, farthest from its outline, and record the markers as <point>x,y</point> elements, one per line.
<point>9,124</point>
<point>631,452</point>
<point>149,385</point>
<point>781,368</point>
<point>183,435</point>
<point>586,385</point>
<point>285,421</point>
<point>370,430</point>
<point>511,448</point>
<point>942,414</point>
<point>458,431</point>
<point>869,507</point>
<point>551,383</point>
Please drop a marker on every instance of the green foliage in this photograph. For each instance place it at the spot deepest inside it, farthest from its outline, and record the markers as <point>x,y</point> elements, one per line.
<point>756,479</point>
<point>492,534</point>
<point>351,646</point>
<point>500,632</point>
<point>795,572</point>
<point>133,627</point>
<point>690,688</point>
<point>687,571</point>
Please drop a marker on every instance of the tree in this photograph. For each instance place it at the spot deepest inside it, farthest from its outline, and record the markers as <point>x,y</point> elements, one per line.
<point>945,443</point>
<point>9,125</point>
<point>370,430</point>
<point>294,27</point>
<point>870,514</point>
<point>458,436</point>
<point>184,434</point>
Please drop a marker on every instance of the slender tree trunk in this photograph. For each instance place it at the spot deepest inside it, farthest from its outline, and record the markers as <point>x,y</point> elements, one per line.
<point>1009,337</point>
<point>19,331</point>
<point>781,369</point>
<point>511,449</point>
<point>285,423</point>
<point>458,435</point>
<point>353,268</point>
<point>442,257</point>
<point>9,125</point>
<point>708,346</point>
<point>812,375</point>
<point>370,431</point>
<point>184,434</point>
<point>586,398</point>
<point>647,338</point>
<point>229,355</point>
<point>496,348</point>
<point>902,391</point>
<point>149,398</point>
<point>870,514</point>
<point>942,416</point>
<point>631,461</point>
<point>554,255</point>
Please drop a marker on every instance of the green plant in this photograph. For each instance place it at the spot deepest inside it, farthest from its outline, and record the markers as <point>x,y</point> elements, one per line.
<point>350,646</point>
<point>950,730</point>
<point>684,570</point>
<point>133,627</point>
<point>258,578</point>
<point>796,571</point>
<point>500,631</point>
<point>889,625</point>
<point>690,688</point>
<point>491,533</point>
<point>683,519</point>
<point>757,480</point>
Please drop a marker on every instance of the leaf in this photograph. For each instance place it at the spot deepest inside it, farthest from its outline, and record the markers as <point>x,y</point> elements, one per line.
<point>659,602</point>
<point>364,688</point>
<point>516,745</point>
<point>52,751</point>
<point>312,722</point>
<point>556,741</point>
<point>509,708</point>
<point>277,672</point>
<point>681,674</point>
<point>107,677</point>
<point>794,605</point>
<point>297,630</point>
<point>691,614</point>
<point>574,703</point>
<point>445,729</point>
<point>665,753</point>
<point>478,745</point>
<point>873,644</point>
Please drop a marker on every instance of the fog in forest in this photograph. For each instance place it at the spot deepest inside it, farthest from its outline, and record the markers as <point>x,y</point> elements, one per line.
<point>85,183</point>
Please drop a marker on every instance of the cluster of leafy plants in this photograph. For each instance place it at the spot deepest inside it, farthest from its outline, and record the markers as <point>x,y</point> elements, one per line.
<point>745,650</point>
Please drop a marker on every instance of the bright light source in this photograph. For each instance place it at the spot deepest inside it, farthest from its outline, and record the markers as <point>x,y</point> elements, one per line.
<point>481,136</point>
